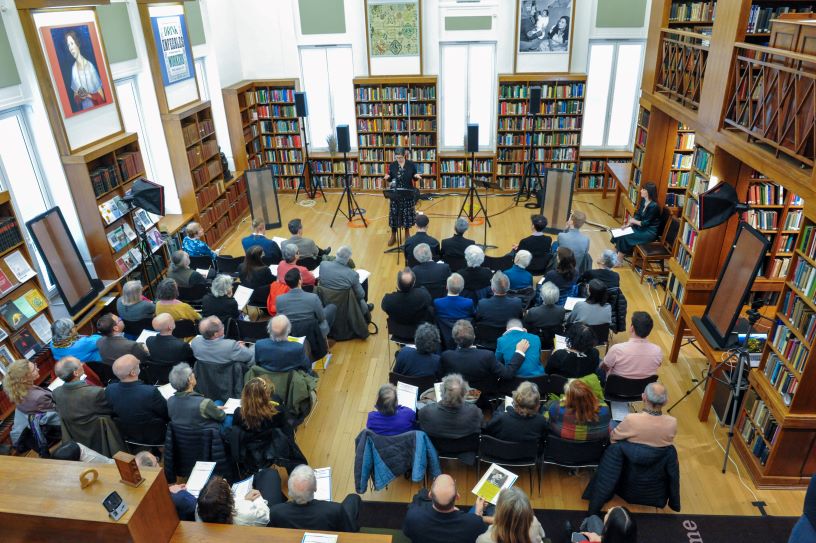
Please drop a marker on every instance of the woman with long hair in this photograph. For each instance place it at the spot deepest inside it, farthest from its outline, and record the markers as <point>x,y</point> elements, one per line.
<point>579,415</point>
<point>643,223</point>
<point>513,521</point>
<point>260,407</point>
<point>559,35</point>
<point>618,526</point>
<point>564,276</point>
<point>85,82</point>
<point>595,309</point>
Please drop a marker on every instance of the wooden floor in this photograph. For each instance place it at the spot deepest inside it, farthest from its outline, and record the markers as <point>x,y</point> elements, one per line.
<point>348,387</point>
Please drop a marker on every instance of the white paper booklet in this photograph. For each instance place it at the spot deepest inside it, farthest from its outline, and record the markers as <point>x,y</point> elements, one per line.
<point>146,334</point>
<point>570,303</point>
<point>242,488</point>
<point>167,390</point>
<point>618,232</point>
<point>495,479</point>
<point>198,478</point>
<point>407,395</point>
<point>324,484</point>
<point>560,342</point>
<point>619,410</point>
<point>231,405</point>
<point>242,295</point>
<point>309,537</point>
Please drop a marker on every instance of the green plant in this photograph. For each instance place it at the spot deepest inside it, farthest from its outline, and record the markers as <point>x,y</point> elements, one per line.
<point>331,140</point>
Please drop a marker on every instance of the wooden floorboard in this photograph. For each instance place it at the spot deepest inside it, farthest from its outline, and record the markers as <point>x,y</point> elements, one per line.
<point>348,387</point>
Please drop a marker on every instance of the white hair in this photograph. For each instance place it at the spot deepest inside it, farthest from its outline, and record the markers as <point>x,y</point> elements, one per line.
<point>549,293</point>
<point>474,256</point>
<point>422,253</point>
<point>455,283</point>
<point>302,476</point>
<point>179,377</point>
<point>523,258</point>
<point>461,225</point>
<point>343,254</point>
<point>221,286</point>
<point>271,327</point>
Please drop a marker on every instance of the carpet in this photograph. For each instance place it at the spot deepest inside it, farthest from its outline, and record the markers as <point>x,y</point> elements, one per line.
<point>387,517</point>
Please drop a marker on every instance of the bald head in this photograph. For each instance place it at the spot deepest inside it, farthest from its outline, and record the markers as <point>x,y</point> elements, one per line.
<point>164,324</point>
<point>656,395</point>
<point>443,493</point>
<point>126,368</point>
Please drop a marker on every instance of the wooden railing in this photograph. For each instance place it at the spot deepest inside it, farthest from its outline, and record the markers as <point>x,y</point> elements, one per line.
<point>773,100</point>
<point>682,64</point>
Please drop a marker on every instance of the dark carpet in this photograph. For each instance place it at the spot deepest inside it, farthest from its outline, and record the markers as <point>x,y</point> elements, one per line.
<point>652,527</point>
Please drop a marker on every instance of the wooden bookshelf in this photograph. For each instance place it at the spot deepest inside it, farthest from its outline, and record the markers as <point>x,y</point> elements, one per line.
<point>555,131</point>
<point>396,112</point>
<point>632,195</point>
<point>455,167</point>
<point>330,169</point>
<point>679,168</point>
<point>699,16</point>
<point>591,168</point>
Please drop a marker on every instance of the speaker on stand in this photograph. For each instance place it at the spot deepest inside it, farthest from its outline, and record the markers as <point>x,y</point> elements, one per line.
<point>302,112</point>
<point>532,174</point>
<point>352,208</point>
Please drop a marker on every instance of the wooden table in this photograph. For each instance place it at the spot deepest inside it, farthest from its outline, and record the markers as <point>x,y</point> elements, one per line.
<point>173,223</point>
<point>620,173</point>
<point>200,532</point>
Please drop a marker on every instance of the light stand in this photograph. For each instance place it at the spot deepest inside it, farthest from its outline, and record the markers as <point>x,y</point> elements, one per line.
<point>146,253</point>
<point>307,164</point>
<point>352,208</point>
<point>531,177</point>
<point>472,197</point>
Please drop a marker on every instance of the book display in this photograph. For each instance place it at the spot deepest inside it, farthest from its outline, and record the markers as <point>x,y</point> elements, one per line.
<point>699,16</point>
<point>591,169</point>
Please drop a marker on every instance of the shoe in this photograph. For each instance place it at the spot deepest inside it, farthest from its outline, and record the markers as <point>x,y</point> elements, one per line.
<point>370,308</point>
<point>327,250</point>
<point>392,240</point>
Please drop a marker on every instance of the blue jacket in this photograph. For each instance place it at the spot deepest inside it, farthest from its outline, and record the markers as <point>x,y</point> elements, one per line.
<point>383,458</point>
<point>84,348</point>
<point>506,348</point>
<point>281,355</point>
<point>454,308</point>
<point>270,248</point>
<point>519,278</point>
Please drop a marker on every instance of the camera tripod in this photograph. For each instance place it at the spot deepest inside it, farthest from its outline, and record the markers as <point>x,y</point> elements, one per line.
<point>352,208</point>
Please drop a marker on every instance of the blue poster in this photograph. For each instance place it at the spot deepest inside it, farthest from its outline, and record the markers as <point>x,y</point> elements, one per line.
<point>173,48</point>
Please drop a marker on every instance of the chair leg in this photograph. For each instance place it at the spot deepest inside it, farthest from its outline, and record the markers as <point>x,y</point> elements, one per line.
<point>530,473</point>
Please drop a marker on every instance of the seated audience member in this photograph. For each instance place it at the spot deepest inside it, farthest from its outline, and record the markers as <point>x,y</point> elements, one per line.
<point>167,302</point>
<point>422,359</point>
<point>193,243</point>
<point>453,306</point>
<point>595,309</point>
<point>261,409</point>
<point>520,423</point>
<point>304,512</point>
<point>573,239</point>
<point>184,501</point>
<point>389,418</point>
<point>442,522</point>
<point>187,407</point>
<point>80,407</point>
<point>479,366</point>
<point>72,451</point>
<point>219,301</point>
<point>181,273</point>
<point>500,308</point>
<point>518,275</point>
<point>454,246</point>
<point>804,531</point>
<point>643,223</point>
<point>421,236</point>
<point>607,261</point>
<point>252,272</point>
<point>305,246</point>
<point>66,342</point>
<point>211,346</point>
<point>134,402</point>
<point>410,304</point>
<point>216,504</point>
<point>257,237</point>
<point>650,426</point>
<point>539,244</point>
<point>429,274</point>
<point>549,314</point>
<point>637,358</point>
<point>476,276</point>
<point>578,415</point>
<point>29,398</point>
<point>337,275</point>
<point>451,416</point>
<point>506,349</point>
<point>564,276</point>
<point>113,342</point>
<point>618,526</point>
<point>290,262</point>
<point>513,520</point>
<point>278,353</point>
<point>132,306</point>
<point>580,358</point>
<point>164,347</point>
<point>299,305</point>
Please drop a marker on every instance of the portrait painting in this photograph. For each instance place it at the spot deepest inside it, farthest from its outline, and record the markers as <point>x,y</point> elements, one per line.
<point>544,26</point>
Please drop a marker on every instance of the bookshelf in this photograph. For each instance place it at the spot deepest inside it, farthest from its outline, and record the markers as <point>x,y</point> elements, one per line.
<point>454,169</point>
<point>555,132</point>
<point>329,169</point>
<point>679,174</point>
<point>632,196</point>
<point>396,112</point>
<point>699,16</point>
<point>591,168</point>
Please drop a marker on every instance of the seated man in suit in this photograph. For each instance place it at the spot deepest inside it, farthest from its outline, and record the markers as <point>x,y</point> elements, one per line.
<point>338,275</point>
<point>270,248</point>
<point>306,247</point>
<point>421,236</point>
<point>500,308</point>
<point>278,353</point>
<point>429,274</point>
<point>212,346</point>
<point>453,306</point>
<point>538,243</point>
<point>304,512</point>
<point>113,342</point>
<point>164,347</point>
<point>410,304</point>
<point>187,407</point>
<point>454,247</point>
<point>479,367</point>
<point>451,416</point>
<point>299,305</point>
<point>440,520</point>
<point>137,405</point>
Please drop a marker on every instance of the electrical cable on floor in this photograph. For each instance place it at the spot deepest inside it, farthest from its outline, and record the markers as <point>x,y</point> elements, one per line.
<point>593,204</point>
<point>739,473</point>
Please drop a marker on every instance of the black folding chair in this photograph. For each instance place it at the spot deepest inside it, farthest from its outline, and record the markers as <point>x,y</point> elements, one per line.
<point>454,262</point>
<point>509,454</point>
<point>103,371</point>
<point>621,389</point>
<point>498,263</point>
<point>134,328</point>
<point>547,335</point>
<point>228,264</point>
<point>155,373</point>
<point>601,332</point>
<point>547,384</point>
<point>487,336</point>
<point>193,294</point>
<point>454,448</point>
<point>422,383</point>
<point>201,263</point>
<point>309,263</point>
<point>571,454</point>
<point>185,328</point>
<point>252,331</point>
<point>400,333</point>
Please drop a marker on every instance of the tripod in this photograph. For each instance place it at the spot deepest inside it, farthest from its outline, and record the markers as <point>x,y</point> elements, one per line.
<point>307,165</point>
<point>145,252</point>
<point>352,208</point>
<point>471,197</point>
<point>531,177</point>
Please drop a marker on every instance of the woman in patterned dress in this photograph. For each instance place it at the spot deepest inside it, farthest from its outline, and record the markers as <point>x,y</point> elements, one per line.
<point>401,213</point>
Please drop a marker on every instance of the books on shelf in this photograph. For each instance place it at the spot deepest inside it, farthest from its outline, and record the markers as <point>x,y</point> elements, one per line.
<point>757,426</point>
<point>703,161</point>
<point>685,141</point>
<point>693,12</point>
<point>760,17</point>
<point>790,346</point>
<point>113,209</point>
<point>9,233</point>
<point>19,266</point>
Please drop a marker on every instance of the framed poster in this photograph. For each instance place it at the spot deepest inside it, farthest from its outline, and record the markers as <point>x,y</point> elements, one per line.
<point>173,48</point>
<point>394,36</point>
<point>543,33</point>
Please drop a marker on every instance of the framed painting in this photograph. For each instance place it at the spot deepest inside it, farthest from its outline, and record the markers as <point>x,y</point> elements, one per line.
<point>543,30</point>
<point>393,34</point>
<point>173,47</point>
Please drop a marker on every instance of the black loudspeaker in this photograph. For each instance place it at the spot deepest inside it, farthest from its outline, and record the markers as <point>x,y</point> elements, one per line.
<point>472,138</point>
<point>343,141</point>
<point>717,205</point>
<point>535,100</point>
<point>301,106</point>
<point>147,195</point>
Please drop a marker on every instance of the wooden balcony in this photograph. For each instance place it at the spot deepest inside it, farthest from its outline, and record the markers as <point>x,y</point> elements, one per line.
<point>773,99</point>
<point>681,66</point>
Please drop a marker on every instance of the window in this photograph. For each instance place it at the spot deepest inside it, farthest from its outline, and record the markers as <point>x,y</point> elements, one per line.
<point>468,70</point>
<point>20,173</point>
<point>130,106</point>
<point>327,79</point>
<point>613,80</point>
<point>201,78</point>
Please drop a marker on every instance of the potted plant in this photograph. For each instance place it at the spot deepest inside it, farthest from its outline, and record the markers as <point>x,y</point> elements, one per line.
<point>331,140</point>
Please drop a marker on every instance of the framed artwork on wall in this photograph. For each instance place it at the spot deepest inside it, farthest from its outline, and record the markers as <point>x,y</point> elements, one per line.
<point>543,31</point>
<point>394,35</point>
<point>173,46</point>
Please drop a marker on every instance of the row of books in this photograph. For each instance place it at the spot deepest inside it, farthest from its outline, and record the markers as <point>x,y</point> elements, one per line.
<point>681,161</point>
<point>190,133</point>
<point>675,287</point>
<point>541,139</point>
<point>781,378</point>
<point>643,117</point>
<point>195,156</point>
<point>767,194</point>
<point>417,155</point>
<point>372,94</point>
<point>759,19</point>
<point>536,124</point>
<point>119,237</point>
<point>754,435</point>
<point>548,92</point>
<point>804,277</point>
<point>270,112</point>
<point>454,165</point>
<point>264,96</point>
<point>637,157</point>
<point>538,154</point>
<point>282,142</point>
<point>640,137</point>
<point>689,236</point>
<point>794,351</point>
<point>395,109</point>
<point>678,179</point>
<point>517,168</point>
<point>280,127</point>
<point>799,314</point>
<point>291,155</point>
<point>217,231</point>
<point>327,166</point>
<point>237,191</point>
<point>699,185</point>
<point>206,173</point>
<point>283,169</point>
<point>394,140</point>
<point>693,11</point>
<point>778,267</point>
<point>206,127</point>
<point>207,195</point>
<point>113,209</point>
<point>104,179</point>
<point>692,213</point>
<point>672,306</point>
<point>560,107</point>
<point>395,125</point>
<point>209,149</point>
<point>674,199</point>
<point>212,214</point>
<point>793,220</point>
<point>703,160</point>
<point>807,241</point>
<point>762,219</point>
<point>684,258</point>
<point>685,141</point>
<point>590,182</point>
<point>130,164</point>
<point>250,99</point>
<point>785,243</point>
<point>9,233</point>
<point>592,166</point>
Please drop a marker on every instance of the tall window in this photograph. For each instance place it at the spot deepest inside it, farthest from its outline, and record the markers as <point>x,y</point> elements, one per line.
<point>130,106</point>
<point>468,91</point>
<point>613,80</point>
<point>328,81</point>
<point>201,78</point>
<point>21,174</point>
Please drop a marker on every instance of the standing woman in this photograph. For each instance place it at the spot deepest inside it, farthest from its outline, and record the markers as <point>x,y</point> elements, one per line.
<point>644,222</point>
<point>401,213</point>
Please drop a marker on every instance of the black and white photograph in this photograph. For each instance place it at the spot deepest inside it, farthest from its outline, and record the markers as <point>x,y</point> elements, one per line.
<point>544,26</point>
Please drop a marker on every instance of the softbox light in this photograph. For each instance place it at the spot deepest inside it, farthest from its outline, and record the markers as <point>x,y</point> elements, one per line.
<point>146,195</point>
<point>718,204</point>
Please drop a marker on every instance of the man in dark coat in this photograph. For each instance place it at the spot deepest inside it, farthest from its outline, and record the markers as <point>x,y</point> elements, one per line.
<point>421,236</point>
<point>500,308</point>
<point>409,304</point>
<point>454,247</point>
<point>429,274</point>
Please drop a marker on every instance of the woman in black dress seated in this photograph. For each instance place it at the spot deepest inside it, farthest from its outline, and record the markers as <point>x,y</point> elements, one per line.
<point>644,222</point>
<point>580,358</point>
<point>401,212</point>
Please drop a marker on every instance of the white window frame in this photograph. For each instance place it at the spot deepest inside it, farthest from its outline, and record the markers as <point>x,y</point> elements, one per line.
<point>203,83</point>
<point>144,141</point>
<point>616,43</point>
